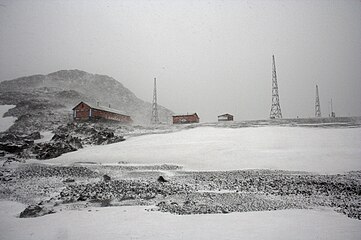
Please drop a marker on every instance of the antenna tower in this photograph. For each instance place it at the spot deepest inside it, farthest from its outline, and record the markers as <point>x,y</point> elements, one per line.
<point>275,108</point>
<point>155,118</point>
<point>317,104</point>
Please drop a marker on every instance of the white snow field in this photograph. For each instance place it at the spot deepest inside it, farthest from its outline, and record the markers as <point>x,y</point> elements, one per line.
<point>324,150</point>
<point>45,137</point>
<point>6,122</point>
<point>136,223</point>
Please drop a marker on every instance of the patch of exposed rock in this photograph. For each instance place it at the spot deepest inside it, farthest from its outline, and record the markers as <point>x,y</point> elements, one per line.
<point>91,133</point>
<point>121,190</point>
<point>17,142</point>
<point>67,138</point>
<point>39,170</point>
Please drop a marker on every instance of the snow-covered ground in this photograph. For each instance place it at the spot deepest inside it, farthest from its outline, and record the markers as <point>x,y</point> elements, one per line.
<point>45,137</point>
<point>326,150</point>
<point>136,223</point>
<point>6,122</point>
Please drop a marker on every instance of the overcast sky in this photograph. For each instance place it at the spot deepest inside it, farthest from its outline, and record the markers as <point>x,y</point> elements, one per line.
<point>210,57</point>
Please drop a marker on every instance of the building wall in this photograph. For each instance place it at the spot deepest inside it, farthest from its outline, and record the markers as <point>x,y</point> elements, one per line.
<point>97,114</point>
<point>185,119</point>
<point>225,118</point>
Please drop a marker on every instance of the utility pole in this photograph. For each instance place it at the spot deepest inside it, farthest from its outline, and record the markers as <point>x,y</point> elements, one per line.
<point>155,118</point>
<point>317,104</point>
<point>275,108</point>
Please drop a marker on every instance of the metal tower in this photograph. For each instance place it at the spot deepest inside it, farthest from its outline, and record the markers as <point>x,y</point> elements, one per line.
<point>155,118</point>
<point>275,108</point>
<point>317,104</point>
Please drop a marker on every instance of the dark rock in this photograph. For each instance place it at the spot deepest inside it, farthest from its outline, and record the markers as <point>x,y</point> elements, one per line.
<point>2,153</point>
<point>161,179</point>
<point>106,178</point>
<point>36,211</point>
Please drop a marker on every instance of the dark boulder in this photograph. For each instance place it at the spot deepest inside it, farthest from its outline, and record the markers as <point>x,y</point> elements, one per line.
<point>161,179</point>
<point>66,138</point>
<point>36,211</point>
<point>51,149</point>
<point>106,178</point>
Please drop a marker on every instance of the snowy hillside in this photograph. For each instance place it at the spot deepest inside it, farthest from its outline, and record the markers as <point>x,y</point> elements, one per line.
<point>206,148</point>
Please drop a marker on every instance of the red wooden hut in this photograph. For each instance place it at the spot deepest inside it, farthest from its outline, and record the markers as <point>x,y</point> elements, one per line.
<point>225,117</point>
<point>189,118</point>
<point>86,111</point>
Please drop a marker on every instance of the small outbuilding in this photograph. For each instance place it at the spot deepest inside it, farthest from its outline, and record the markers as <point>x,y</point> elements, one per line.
<point>188,118</point>
<point>84,111</point>
<point>225,117</point>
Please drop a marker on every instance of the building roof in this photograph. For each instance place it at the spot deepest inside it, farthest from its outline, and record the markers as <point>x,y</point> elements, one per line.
<point>186,115</point>
<point>225,115</point>
<point>102,108</point>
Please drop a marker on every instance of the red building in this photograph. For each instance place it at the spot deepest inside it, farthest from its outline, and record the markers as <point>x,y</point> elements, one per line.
<point>225,117</point>
<point>180,119</point>
<point>85,111</point>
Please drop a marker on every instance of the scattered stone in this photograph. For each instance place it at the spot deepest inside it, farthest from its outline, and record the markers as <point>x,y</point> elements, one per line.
<point>69,180</point>
<point>40,170</point>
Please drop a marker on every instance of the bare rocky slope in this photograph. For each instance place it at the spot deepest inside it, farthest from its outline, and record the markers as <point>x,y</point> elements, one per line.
<point>45,101</point>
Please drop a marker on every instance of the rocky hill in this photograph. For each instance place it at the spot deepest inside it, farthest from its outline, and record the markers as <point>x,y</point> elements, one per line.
<point>45,101</point>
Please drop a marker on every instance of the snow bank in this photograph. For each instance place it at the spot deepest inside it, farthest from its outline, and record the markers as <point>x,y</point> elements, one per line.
<point>46,136</point>
<point>6,122</point>
<point>136,223</point>
<point>206,148</point>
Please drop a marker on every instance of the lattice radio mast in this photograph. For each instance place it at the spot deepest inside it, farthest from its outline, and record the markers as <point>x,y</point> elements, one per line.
<point>275,108</point>
<point>317,104</point>
<point>155,118</point>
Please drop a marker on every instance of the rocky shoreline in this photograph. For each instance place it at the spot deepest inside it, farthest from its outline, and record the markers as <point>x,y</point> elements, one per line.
<point>48,189</point>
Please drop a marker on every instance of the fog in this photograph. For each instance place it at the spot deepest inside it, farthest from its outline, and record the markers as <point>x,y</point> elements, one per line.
<point>209,57</point>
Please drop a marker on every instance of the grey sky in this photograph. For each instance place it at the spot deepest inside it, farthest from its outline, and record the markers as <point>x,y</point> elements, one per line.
<point>210,57</point>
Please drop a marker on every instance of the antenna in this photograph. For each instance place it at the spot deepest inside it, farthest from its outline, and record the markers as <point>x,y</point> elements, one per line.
<point>333,114</point>
<point>155,118</point>
<point>317,104</point>
<point>275,108</point>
